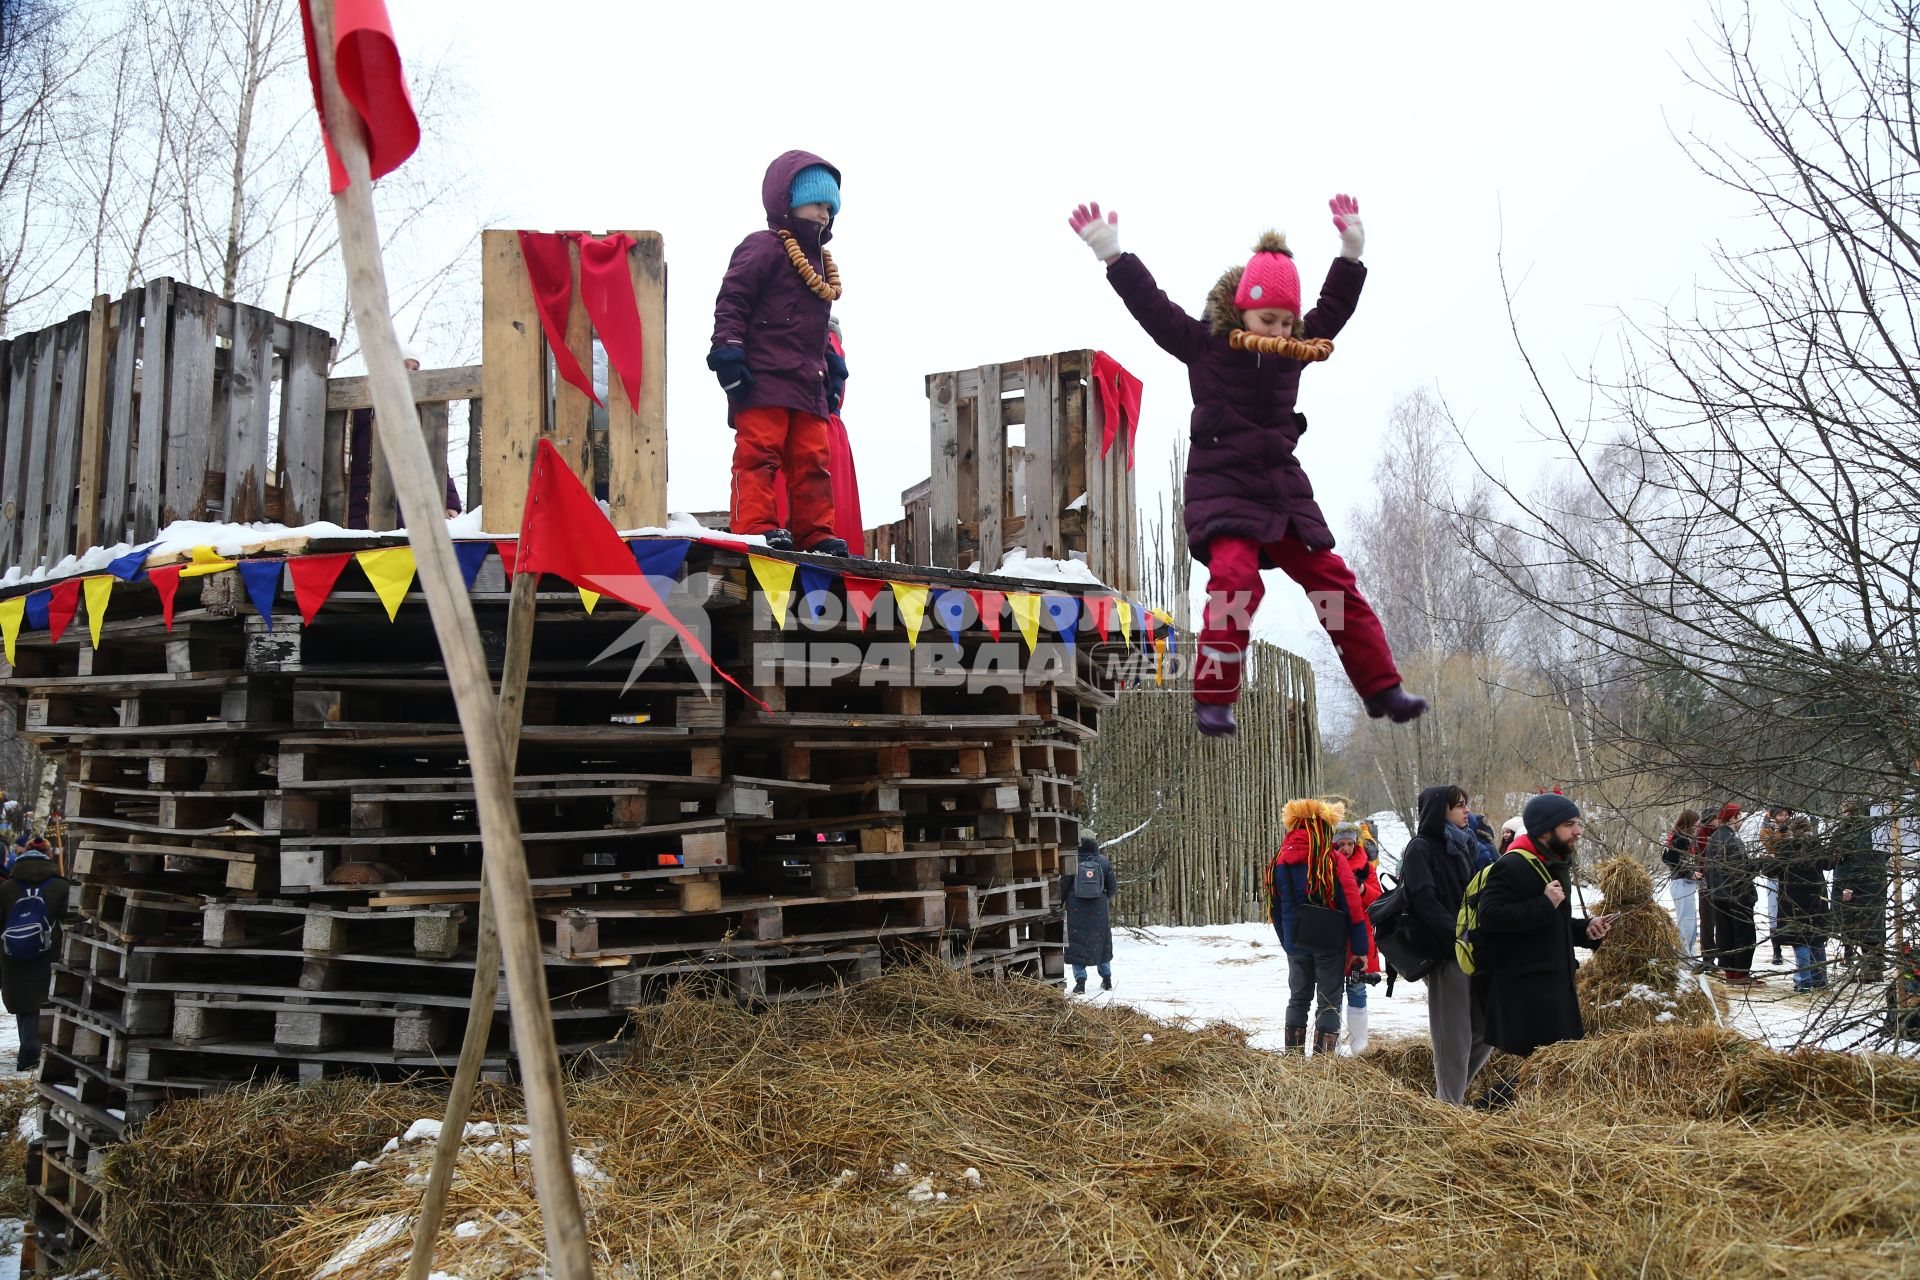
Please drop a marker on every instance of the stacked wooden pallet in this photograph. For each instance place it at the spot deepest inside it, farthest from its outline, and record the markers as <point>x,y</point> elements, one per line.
<point>277,857</point>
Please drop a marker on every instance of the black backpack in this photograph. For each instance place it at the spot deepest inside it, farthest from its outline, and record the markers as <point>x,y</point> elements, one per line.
<point>1390,915</point>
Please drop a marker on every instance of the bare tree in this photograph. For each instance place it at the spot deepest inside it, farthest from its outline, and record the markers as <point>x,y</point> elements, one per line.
<point>42,53</point>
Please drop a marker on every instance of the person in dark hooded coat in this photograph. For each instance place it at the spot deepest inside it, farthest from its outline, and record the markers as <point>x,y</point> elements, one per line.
<point>26,981</point>
<point>1526,932</point>
<point>1801,863</point>
<point>1435,868</point>
<point>1087,892</point>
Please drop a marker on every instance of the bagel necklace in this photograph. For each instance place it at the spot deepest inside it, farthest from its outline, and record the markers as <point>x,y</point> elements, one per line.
<point>1305,349</point>
<point>828,289</point>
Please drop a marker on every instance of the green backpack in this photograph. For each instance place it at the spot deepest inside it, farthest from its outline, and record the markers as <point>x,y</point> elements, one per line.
<point>1468,920</point>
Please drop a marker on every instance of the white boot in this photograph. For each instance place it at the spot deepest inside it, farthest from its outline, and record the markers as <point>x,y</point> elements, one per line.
<point>1356,1031</point>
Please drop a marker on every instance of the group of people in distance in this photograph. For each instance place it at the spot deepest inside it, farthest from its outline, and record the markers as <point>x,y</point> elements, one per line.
<point>1718,877</point>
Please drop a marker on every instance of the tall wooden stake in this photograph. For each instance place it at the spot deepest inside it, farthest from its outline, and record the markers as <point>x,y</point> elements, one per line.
<point>511,891</point>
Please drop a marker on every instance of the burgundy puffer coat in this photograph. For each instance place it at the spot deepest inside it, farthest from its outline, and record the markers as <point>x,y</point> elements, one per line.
<point>1242,475</point>
<point>765,307</point>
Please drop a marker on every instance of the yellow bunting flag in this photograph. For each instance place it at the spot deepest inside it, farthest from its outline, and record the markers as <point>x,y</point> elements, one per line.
<point>1026,612</point>
<point>390,570</point>
<point>588,598</point>
<point>912,600</point>
<point>205,560</point>
<point>11,613</point>
<point>97,590</point>
<point>776,579</point>
<point>1126,618</point>
<point>1160,645</point>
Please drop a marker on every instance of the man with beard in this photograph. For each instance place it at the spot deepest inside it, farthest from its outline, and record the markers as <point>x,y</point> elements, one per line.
<point>1526,932</point>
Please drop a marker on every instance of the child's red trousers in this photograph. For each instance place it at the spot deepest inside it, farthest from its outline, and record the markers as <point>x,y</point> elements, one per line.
<point>1234,592</point>
<point>768,440</point>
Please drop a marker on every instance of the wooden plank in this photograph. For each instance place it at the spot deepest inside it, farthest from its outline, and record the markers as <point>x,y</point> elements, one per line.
<point>249,389</point>
<point>313,453</point>
<point>15,392</point>
<point>32,493</point>
<point>1043,494</point>
<point>433,425</point>
<point>476,453</point>
<point>429,386</point>
<point>944,498</point>
<point>991,431</point>
<point>637,439</point>
<point>513,376</point>
<point>122,406</point>
<point>63,467</point>
<point>93,431</point>
<point>572,407</point>
<point>189,431</point>
<point>151,458</point>
<point>1098,516</point>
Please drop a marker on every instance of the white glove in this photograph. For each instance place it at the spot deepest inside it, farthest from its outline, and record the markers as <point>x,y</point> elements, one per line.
<point>1101,234</point>
<point>1346,220</point>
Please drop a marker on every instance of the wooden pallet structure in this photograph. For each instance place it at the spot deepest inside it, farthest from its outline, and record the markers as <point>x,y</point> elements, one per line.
<point>273,831</point>
<point>1018,461</point>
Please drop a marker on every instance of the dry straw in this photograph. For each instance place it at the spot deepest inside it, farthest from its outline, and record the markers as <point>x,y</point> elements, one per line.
<point>931,1125</point>
<point>1640,976</point>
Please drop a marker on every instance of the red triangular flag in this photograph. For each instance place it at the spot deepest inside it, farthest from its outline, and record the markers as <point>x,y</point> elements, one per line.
<point>565,533</point>
<point>313,579</point>
<point>550,271</point>
<point>166,581</point>
<point>606,290</point>
<point>991,603</point>
<point>509,553</point>
<point>1102,608</point>
<point>61,604</point>
<point>367,62</point>
<point>861,593</point>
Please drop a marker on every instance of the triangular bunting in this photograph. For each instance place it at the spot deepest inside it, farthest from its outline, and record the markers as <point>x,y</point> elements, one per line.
<point>61,606</point>
<point>205,560</point>
<point>992,604</point>
<point>262,578</point>
<point>313,579</point>
<point>390,570</point>
<point>166,582</point>
<point>816,592</point>
<point>471,556</point>
<point>950,607</point>
<point>660,557</point>
<point>861,593</point>
<point>588,598</point>
<point>12,613</point>
<point>1124,608</point>
<point>1101,608</point>
<point>1063,616</point>
<point>98,590</point>
<point>1026,612</point>
<point>776,581</point>
<point>912,599</point>
<point>37,602</point>
<point>128,566</point>
<point>509,557</point>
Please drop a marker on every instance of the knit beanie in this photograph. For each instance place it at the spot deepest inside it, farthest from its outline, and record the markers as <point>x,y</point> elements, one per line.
<point>1346,831</point>
<point>815,185</point>
<point>1545,812</point>
<point>1270,278</point>
<point>1728,812</point>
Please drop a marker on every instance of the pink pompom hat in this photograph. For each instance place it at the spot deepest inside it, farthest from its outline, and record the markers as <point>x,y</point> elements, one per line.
<point>1270,280</point>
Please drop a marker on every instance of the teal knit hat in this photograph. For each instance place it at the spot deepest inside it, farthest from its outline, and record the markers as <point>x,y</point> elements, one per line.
<point>815,185</point>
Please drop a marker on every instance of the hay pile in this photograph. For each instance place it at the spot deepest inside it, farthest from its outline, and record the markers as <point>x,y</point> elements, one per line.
<point>16,1095</point>
<point>1641,977</point>
<point>928,1124</point>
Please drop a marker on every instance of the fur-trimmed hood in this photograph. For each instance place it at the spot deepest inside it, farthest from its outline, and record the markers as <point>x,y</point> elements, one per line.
<point>1221,313</point>
<point>1300,812</point>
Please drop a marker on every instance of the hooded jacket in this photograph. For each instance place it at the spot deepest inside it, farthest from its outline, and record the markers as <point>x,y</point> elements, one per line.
<point>766,309</point>
<point>1523,945</point>
<point>1290,874</point>
<point>1242,476</point>
<point>1435,875</point>
<point>1368,882</point>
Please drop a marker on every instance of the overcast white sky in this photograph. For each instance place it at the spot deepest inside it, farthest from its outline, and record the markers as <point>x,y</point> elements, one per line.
<point>966,133</point>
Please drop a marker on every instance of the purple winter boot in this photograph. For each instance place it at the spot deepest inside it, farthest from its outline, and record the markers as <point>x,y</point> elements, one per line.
<point>1216,721</point>
<point>1396,704</point>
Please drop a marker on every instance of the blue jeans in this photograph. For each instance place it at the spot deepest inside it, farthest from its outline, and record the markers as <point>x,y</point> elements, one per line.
<point>1356,993</point>
<point>1810,965</point>
<point>1080,971</point>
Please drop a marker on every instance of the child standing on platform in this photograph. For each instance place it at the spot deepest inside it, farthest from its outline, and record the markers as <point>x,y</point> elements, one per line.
<point>1249,504</point>
<point>772,357</point>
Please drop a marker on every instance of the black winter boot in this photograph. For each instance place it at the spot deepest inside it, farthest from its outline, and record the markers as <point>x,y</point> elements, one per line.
<point>779,540</point>
<point>1079,986</point>
<point>1326,1041</point>
<point>829,547</point>
<point>1106,982</point>
<point>1296,1039</point>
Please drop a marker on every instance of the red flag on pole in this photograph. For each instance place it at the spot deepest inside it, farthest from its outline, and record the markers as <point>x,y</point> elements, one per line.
<point>368,63</point>
<point>565,533</point>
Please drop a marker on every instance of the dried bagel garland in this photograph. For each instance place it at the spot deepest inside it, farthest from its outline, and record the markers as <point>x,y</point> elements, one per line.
<point>828,289</point>
<point>1307,349</point>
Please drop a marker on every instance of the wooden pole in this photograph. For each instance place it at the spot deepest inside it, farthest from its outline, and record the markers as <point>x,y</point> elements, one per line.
<point>439,574</point>
<point>486,952</point>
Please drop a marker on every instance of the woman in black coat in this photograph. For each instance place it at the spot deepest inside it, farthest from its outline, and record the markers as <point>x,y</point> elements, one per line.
<point>1089,922</point>
<point>1805,918</point>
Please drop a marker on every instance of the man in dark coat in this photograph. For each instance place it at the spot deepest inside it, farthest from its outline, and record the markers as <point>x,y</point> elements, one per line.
<point>1730,871</point>
<point>1860,889</point>
<point>1435,868</point>
<point>1801,863</point>
<point>26,981</point>
<point>1087,891</point>
<point>1524,940</point>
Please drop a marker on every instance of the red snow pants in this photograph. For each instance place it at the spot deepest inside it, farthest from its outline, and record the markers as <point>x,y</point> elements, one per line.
<point>767,441</point>
<point>1234,592</point>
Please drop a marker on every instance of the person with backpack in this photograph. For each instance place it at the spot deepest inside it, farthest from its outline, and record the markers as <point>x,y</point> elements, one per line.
<point>1087,892</point>
<point>33,900</point>
<point>1434,871</point>
<point>1322,925</point>
<point>1349,842</point>
<point>1517,923</point>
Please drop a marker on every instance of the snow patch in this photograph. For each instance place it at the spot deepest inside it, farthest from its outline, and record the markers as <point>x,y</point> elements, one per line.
<point>379,1233</point>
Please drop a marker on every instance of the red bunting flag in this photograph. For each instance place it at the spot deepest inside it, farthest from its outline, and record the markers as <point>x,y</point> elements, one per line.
<point>509,553</point>
<point>1119,399</point>
<point>166,581</point>
<point>991,603</point>
<point>606,289</point>
<point>1101,608</point>
<point>565,533</point>
<point>313,579</point>
<point>550,272</point>
<point>61,606</point>
<point>861,593</point>
<point>366,60</point>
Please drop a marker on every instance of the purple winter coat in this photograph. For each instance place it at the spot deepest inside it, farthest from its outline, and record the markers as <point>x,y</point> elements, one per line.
<point>1242,475</point>
<point>765,307</point>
